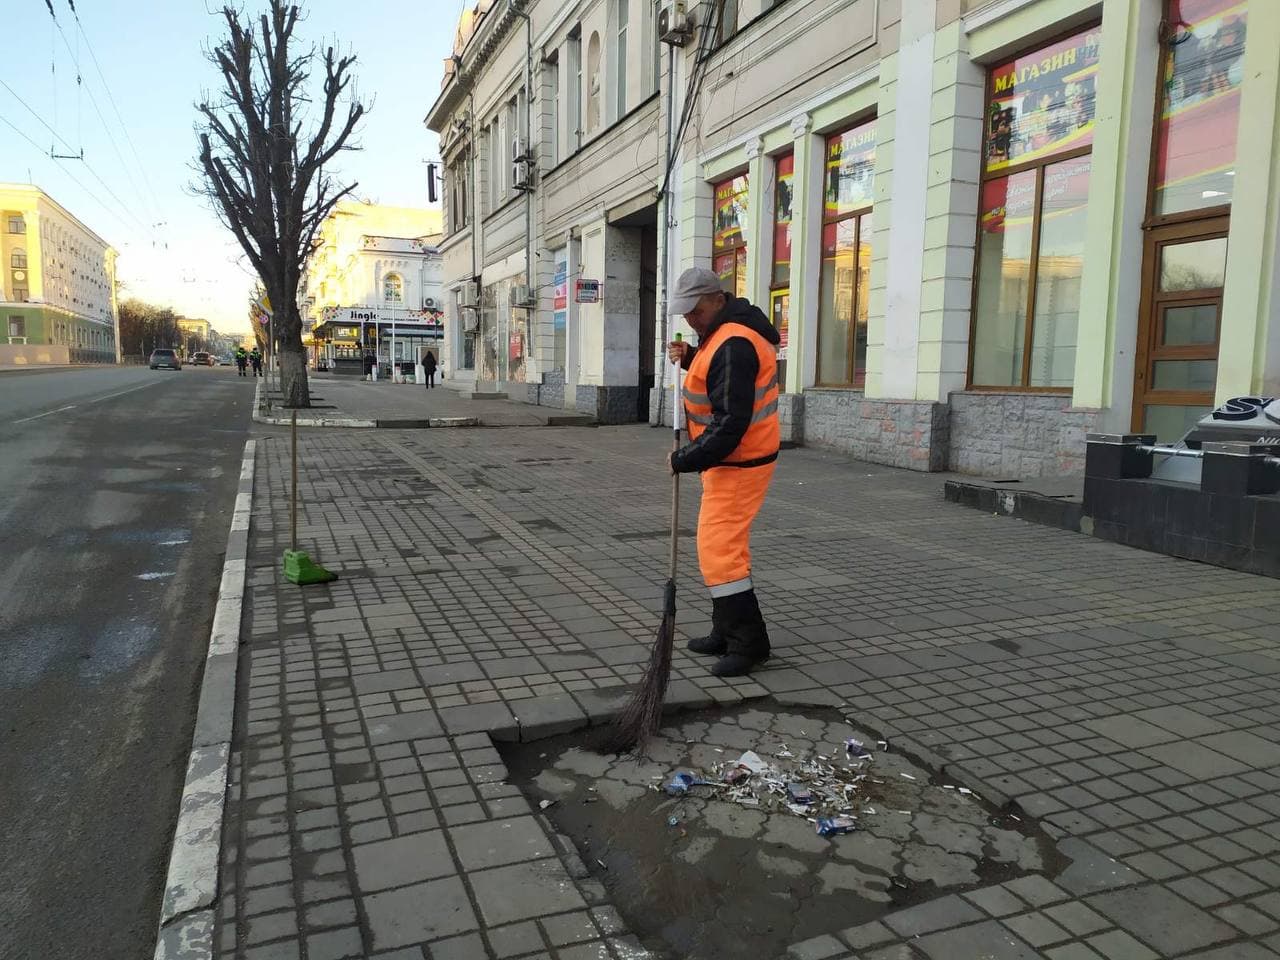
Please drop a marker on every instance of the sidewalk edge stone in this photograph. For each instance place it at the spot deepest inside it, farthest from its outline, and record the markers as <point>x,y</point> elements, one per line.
<point>191,884</point>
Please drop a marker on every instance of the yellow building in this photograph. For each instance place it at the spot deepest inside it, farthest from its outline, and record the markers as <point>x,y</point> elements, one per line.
<point>58,281</point>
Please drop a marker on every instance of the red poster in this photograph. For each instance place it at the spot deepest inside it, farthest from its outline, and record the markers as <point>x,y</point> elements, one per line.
<point>1044,102</point>
<point>783,193</point>
<point>1200,105</point>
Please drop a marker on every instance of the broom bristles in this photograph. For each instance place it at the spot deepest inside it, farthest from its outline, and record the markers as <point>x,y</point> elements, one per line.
<point>643,715</point>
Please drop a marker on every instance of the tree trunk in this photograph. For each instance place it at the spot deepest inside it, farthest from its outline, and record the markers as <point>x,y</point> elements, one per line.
<point>293,373</point>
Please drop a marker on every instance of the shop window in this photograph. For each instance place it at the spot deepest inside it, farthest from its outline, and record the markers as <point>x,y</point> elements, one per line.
<point>1201,71</point>
<point>1035,190</point>
<point>780,275</point>
<point>848,179</point>
<point>17,326</point>
<point>783,193</point>
<point>729,244</point>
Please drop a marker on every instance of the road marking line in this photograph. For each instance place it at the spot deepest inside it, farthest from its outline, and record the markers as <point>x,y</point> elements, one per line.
<point>72,406</point>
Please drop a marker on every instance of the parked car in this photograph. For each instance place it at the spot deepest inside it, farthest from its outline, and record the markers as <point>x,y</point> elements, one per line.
<point>202,359</point>
<point>165,358</point>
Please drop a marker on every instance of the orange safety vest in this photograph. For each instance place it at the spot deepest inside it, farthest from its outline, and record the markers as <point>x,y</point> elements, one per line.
<point>763,436</point>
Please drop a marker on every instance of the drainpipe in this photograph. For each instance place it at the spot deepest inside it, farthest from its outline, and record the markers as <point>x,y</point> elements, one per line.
<point>665,204</point>
<point>531,283</point>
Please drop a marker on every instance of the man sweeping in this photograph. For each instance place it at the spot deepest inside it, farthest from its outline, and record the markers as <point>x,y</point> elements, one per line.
<point>731,401</point>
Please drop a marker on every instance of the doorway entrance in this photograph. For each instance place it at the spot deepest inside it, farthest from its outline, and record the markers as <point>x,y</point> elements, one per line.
<point>1184,266</point>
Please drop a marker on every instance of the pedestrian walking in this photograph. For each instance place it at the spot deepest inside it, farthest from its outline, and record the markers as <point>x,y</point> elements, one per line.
<point>255,360</point>
<point>369,362</point>
<point>429,367</point>
<point>731,401</point>
<point>242,360</point>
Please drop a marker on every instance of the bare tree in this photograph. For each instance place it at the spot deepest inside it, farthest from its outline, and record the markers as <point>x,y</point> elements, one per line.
<point>265,178</point>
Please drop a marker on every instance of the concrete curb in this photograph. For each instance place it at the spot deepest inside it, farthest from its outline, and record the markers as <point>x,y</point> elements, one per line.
<point>191,885</point>
<point>352,423</point>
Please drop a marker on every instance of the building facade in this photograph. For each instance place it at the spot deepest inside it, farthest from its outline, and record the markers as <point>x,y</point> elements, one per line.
<point>373,283</point>
<point>984,227</point>
<point>58,286</point>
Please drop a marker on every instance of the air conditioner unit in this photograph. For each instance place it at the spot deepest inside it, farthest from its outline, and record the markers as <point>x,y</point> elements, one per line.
<point>467,296</point>
<point>522,297</point>
<point>519,150</point>
<point>673,23</point>
<point>429,303</point>
<point>470,321</point>
<point>520,175</point>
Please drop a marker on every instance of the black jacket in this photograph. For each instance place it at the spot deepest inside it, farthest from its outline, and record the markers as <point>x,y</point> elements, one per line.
<point>731,385</point>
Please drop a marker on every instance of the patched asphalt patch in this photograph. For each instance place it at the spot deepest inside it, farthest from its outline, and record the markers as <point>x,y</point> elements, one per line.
<point>700,876</point>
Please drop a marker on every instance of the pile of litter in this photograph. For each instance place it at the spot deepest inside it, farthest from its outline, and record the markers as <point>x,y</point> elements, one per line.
<point>822,788</point>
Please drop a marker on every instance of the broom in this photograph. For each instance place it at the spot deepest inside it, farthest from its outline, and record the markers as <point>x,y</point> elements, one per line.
<point>641,717</point>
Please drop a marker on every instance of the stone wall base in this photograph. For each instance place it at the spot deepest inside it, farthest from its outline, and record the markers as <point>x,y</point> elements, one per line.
<point>1018,435</point>
<point>609,404</point>
<point>899,433</point>
<point>1014,436</point>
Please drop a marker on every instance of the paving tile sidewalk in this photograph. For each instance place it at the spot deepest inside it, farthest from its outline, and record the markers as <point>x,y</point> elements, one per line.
<point>353,398</point>
<point>505,583</point>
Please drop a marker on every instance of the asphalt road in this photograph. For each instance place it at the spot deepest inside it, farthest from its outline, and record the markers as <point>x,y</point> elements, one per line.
<point>118,489</point>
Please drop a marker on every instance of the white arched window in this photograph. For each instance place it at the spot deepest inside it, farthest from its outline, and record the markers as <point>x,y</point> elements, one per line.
<point>393,288</point>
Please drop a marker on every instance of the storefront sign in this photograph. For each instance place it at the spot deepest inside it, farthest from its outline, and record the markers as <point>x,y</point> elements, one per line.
<point>1044,102</point>
<point>516,345</point>
<point>586,291</point>
<point>731,212</point>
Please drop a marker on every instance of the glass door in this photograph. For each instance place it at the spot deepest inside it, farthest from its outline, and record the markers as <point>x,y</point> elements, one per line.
<point>1177,363</point>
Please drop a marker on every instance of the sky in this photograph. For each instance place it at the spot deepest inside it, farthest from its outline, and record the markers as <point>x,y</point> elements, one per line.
<point>135,122</point>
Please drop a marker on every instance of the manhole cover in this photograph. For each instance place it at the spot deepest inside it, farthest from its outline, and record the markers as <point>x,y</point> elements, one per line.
<point>741,871</point>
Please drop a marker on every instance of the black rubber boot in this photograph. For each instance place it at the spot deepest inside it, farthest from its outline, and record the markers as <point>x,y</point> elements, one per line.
<point>714,643</point>
<point>747,638</point>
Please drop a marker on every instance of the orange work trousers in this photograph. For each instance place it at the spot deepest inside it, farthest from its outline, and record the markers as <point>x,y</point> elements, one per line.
<point>731,498</point>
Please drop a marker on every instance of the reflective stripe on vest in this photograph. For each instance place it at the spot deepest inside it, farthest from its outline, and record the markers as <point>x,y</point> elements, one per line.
<point>763,434</point>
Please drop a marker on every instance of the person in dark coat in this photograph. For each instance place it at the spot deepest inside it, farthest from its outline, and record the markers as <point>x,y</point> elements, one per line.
<point>429,367</point>
<point>369,361</point>
<point>255,361</point>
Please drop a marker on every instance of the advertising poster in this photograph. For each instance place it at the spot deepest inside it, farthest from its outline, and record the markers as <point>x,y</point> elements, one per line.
<point>1200,105</point>
<point>560,293</point>
<point>784,191</point>
<point>731,212</point>
<point>1044,102</point>
<point>851,166</point>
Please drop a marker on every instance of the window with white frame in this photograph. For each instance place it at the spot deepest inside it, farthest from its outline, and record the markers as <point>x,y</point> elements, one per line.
<point>622,14</point>
<point>550,148</point>
<point>574,139</point>
<point>393,288</point>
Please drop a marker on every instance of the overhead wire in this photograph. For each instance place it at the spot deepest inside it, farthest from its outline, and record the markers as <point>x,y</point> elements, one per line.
<point>101,119</point>
<point>124,127</point>
<point>115,214</point>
